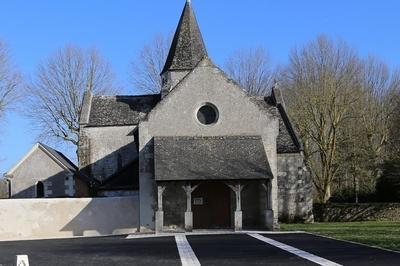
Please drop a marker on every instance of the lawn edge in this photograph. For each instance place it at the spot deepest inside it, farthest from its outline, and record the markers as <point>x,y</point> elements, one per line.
<point>352,242</point>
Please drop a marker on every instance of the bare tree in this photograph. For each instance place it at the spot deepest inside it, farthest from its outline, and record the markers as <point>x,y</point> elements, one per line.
<point>9,81</point>
<point>393,147</point>
<point>377,106</point>
<point>252,69</point>
<point>322,82</point>
<point>56,92</point>
<point>147,67</point>
<point>365,137</point>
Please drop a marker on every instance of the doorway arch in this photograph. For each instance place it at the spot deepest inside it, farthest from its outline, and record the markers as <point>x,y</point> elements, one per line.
<point>39,189</point>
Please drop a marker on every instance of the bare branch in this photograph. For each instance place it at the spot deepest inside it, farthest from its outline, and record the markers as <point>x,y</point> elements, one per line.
<point>9,81</point>
<point>147,67</point>
<point>56,94</point>
<point>321,83</point>
<point>252,69</point>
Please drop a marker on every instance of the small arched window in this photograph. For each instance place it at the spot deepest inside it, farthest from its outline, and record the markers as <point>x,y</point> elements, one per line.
<point>39,190</point>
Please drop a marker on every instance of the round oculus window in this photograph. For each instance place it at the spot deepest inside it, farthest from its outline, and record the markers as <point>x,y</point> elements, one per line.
<point>207,114</point>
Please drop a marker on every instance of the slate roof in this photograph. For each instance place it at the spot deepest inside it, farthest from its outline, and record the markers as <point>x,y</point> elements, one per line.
<point>120,110</point>
<point>130,110</point>
<point>187,48</point>
<point>264,104</point>
<point>287,141</point>
<point>210,158</point>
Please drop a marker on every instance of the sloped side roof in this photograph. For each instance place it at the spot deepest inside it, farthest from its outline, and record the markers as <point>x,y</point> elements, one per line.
<point>120,110</point>
<point>61,158</point>
<point>187,48</point>
<point>55,155</point>
<point>287,141</point>
<point>210,158</point>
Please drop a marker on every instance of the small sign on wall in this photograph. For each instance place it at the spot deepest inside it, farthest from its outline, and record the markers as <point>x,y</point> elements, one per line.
<point>198,201</point>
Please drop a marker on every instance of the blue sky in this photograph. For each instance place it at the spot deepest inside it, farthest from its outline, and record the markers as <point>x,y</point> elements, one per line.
<point>119,28</point>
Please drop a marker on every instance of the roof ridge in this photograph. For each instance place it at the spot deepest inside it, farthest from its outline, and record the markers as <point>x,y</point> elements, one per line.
<point>211,137</point>
<point>58,153</point>
<point>127,96</point>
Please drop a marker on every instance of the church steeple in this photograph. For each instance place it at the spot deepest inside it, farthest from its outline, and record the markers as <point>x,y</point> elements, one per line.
<point>187,48</point>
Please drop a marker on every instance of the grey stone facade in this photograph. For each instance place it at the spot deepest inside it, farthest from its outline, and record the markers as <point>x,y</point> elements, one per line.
<point>108,146</point>
<point>45,165</point>
<point>175,116</point>
<point>251,151</point>
<point>107,150</point>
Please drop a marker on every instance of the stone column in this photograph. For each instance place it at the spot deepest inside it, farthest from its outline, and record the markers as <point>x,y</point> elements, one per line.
<point>238,213</point>
<point>268,212</point>
<point>189,214</point>
<point>160,213</point>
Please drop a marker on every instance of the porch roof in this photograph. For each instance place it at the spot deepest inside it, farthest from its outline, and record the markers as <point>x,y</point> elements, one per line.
<point>210,158</point>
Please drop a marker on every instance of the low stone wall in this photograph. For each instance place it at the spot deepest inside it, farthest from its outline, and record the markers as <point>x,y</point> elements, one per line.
<point>22,219</point>
<point>351,212</point>
<point>4,194</point>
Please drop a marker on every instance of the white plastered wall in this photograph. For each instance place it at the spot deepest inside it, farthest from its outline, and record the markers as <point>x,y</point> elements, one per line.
<point>22,219</point>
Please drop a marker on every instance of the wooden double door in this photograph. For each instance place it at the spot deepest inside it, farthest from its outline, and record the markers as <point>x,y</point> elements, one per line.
<point>211,206</point>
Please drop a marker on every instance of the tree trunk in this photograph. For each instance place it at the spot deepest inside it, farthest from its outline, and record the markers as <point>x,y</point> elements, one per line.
<point>327,193</point>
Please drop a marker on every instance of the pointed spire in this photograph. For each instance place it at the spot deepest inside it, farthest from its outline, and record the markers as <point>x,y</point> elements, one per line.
<point>187,48</point>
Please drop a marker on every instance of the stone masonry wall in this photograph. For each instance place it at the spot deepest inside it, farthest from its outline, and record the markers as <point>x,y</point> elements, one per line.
<point>352,212</point>
<point>105,150</point>
<point>4,193</point>
<point>295,189</point>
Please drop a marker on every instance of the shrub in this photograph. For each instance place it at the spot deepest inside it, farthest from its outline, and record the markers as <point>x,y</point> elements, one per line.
<point>388,185</point>
<point>347,195</point>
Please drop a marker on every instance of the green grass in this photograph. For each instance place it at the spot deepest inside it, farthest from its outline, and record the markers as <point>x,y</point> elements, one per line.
<point>380,233</point>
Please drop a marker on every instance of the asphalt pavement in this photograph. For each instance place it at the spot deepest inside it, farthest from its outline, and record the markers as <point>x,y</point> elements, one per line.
<point>205,249</point>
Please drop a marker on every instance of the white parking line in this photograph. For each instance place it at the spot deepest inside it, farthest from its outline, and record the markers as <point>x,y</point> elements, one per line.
<point>21,260</point>
<point>208,232</point>
<point>188,258</point>
<point>296,251</point>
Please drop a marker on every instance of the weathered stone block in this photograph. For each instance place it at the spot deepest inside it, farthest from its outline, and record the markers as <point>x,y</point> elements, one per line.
<point>188,221</point>
<point>295,189</point>
<point>238,220</point>
<point>159,221</point>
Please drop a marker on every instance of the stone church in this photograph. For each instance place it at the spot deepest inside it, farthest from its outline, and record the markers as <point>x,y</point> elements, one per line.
<point>202,154</point>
